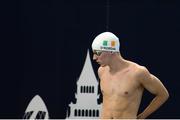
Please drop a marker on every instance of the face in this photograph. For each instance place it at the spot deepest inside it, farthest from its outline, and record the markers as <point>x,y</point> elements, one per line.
<point>100,57</point>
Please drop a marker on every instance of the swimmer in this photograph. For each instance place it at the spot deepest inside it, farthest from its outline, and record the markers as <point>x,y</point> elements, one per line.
<point>122,82</point>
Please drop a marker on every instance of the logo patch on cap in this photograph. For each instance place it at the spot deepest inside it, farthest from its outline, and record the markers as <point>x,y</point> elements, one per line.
<point>108,45</point>
<point>113,43</point>
<point>105,43</point>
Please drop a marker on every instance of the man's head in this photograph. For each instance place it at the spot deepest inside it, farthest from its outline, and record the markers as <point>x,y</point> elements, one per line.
<point>104,46</point>
<point>106,41</point>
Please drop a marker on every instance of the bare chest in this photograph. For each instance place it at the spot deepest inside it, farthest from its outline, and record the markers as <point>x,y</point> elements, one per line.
<point>123,84</point>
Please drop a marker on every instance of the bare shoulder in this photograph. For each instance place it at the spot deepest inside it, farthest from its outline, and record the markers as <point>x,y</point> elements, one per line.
<point>144,77</point>
<point>141,72</point>
<point>101,70</point>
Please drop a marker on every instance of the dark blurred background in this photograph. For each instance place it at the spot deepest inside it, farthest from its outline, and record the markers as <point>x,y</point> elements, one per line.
<point>44,45</point>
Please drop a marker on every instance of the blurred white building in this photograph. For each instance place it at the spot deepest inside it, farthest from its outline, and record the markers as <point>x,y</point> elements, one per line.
<point>36,109</point>
<point>86,105</point>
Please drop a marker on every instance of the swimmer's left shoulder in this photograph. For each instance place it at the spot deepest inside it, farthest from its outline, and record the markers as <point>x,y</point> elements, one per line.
<point>142,72</point>
<point>138,69</point>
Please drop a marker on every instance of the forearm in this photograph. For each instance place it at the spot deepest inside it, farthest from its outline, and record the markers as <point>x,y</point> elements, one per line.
<point>153,106</point>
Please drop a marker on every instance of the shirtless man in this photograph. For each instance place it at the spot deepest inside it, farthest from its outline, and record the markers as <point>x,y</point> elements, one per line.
<point>122,82</point>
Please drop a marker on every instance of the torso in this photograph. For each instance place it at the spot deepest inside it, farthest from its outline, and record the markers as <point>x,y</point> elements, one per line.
<point>121,93</point>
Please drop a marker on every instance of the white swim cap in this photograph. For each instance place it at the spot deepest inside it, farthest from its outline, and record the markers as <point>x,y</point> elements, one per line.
<point>106,41</point>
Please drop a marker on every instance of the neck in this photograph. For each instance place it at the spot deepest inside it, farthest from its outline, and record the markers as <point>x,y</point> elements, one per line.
<point>117,63</point>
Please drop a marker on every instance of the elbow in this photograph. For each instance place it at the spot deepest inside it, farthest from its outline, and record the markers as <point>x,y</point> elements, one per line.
<point>165,96</point>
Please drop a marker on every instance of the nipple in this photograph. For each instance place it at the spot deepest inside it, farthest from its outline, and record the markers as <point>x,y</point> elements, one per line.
<point>126,92</point>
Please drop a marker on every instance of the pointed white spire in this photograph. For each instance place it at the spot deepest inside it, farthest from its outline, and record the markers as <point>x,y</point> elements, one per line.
<point>87,74</point>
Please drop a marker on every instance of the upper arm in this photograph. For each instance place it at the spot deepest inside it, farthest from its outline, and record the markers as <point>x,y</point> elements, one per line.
<point>152,83</point>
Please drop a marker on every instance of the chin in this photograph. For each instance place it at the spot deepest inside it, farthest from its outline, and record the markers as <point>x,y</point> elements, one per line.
<point>102,65</point>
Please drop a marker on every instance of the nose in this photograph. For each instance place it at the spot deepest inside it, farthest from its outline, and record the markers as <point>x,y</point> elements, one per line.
<point>94,57</point>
